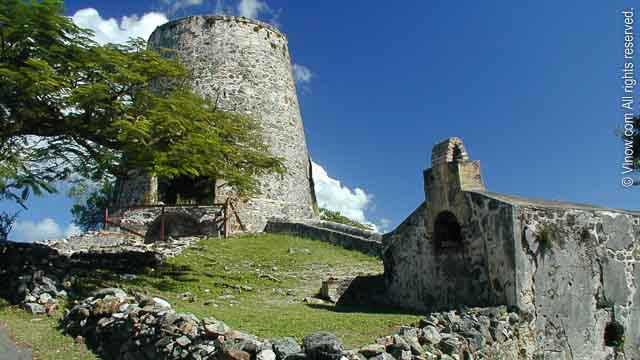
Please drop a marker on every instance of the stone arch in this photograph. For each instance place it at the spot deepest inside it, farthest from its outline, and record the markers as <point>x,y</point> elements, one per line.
<point>450,150</point>
<point>457,153</point>
<point>175,225</point>
<point>447,232</point>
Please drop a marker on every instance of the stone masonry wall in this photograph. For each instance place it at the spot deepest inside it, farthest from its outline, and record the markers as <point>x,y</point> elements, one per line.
<point>345,236</point>
<point>575,267</point>
<point>179,221</point>
<point>135,189</point>
<point>568,269</point>
<point>480,273</point>
<point>491,224</point>
<point>245,65</point>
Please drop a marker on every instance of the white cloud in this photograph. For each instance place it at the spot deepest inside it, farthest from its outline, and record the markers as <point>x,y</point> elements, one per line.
<point>332,195</point>
<point>118,32</point>
<point>384,225</point>
<point>302,74</point>
<point>45,229</point>
<point>354,204</point>
<point>181,4</point>
<point>252,8</point>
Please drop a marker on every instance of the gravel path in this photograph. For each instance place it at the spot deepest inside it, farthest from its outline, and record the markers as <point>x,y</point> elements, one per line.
<point>11,351</point>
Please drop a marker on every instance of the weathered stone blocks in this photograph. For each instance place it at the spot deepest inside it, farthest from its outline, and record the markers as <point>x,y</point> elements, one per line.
<point>245,66</point>
<point>573,270</point>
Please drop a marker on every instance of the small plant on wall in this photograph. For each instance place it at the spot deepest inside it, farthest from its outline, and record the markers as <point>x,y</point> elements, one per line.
<point>545,240</point>
<point>614,333</point>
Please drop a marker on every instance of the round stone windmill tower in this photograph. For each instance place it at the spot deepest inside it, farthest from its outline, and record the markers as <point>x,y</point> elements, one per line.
<point>245,66</point>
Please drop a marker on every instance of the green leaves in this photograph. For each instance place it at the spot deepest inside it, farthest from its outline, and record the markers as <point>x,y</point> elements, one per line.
<point>99,110</point>
<point>337,217</point>
<point>89,214</point>
<point>6,224</point>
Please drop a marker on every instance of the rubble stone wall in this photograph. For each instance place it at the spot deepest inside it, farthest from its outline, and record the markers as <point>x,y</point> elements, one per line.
<point>341,235</point>
<point>572,271</point>
<point>576,268</point>
<point>119,326</point>
<point>179,221</point>
<point>16,257</point>
<point>478,273</point>
<point>27,270</point>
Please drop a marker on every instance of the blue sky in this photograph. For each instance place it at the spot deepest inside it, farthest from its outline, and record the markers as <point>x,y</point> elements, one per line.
<point>533,90</point>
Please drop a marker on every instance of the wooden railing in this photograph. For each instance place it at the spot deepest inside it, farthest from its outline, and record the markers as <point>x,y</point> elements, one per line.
<point>227,209</point>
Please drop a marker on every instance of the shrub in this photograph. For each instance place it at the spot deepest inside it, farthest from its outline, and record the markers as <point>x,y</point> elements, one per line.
<point>6,225</point>
<point>337,217</point>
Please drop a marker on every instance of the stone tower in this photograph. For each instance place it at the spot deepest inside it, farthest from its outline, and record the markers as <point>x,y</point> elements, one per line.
<point>245,65</point>
<point>451,173</point>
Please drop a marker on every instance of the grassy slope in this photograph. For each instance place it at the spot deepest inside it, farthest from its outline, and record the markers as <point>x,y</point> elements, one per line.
<point>40,332</point>
<point>256,285</point>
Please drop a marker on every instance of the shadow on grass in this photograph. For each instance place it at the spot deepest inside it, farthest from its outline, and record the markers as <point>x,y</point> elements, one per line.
<point>166,277</point>
<point>366,309</point>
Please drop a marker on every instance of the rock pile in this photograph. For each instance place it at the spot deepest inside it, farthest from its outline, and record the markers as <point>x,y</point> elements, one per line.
<point>39,293</point>
<point>469,334</point>
<point>119,326</point>
<point>112,241</point>
<point>39,275</point>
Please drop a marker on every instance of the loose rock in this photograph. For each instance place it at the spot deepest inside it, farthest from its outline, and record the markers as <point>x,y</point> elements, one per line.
<point>322,346</point>
<point>285,347</point>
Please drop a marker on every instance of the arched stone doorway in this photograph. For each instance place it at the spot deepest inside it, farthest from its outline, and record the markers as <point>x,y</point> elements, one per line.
<point>447,233</point>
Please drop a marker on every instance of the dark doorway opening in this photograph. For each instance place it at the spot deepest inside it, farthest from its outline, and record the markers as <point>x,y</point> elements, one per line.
<point>457,154</point>
<point>447,232</point>
<point>185,190</point>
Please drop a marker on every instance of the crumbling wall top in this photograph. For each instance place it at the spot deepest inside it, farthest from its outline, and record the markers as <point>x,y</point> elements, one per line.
<point>449,150</point>
<point>210,19</point>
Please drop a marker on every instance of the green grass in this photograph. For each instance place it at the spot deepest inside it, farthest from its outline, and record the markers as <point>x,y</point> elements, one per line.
<point>41,334</point>
<point>257,286</point>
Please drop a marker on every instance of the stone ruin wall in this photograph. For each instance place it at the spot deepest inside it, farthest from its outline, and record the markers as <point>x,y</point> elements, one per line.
<point>345,236</point>
<point>136,189</point>
<point>179,221</point>
<point>572,270</point>
<point>245,66</point>
<point>565,287</point>
<point>480,273</point>
<point>570,282</point>
<point>477,271</point>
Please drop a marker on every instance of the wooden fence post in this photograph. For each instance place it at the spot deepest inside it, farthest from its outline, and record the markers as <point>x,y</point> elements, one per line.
<point>226,218</point>
<point>235,212</point>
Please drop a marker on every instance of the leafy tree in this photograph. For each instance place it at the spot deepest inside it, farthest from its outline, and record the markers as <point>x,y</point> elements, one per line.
<point>337,217</point>
<point>89,214</point>
<point>6,224</point>
<point>70,106</point>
